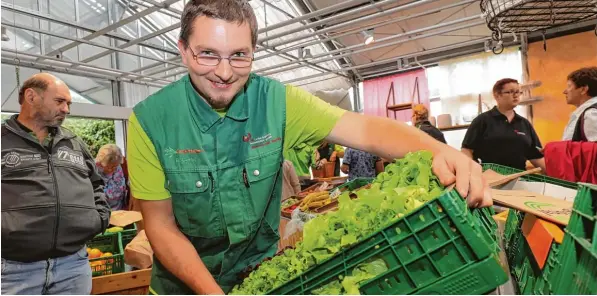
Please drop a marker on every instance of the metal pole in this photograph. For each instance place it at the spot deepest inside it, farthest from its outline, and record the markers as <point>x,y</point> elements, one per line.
<point>385,23</point>
<point>339,16</point>
<point>425,63</point>
<point>31,13</point>
<point>58,69</point>
<point>133,42</point>
<point>108,71</point>
<point>329,9</point>
<point>356,97</point>
<point>290,57</point>
<point>351,22</point>
<point>89,43</point>
<point>113,26</point>
<point>177,57</point>
<point>174,12</point>
<point>437,49</point>
<point>363,48</point>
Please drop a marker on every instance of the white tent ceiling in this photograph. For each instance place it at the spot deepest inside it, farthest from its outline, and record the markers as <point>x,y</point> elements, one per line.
<point>134,41</point>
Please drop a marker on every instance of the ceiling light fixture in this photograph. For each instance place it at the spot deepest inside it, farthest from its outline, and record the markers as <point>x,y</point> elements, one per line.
<point>368,35</point>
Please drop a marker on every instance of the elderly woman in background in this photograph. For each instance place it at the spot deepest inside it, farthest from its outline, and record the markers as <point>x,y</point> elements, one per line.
<point>108,161</point>
<point>420,119</point>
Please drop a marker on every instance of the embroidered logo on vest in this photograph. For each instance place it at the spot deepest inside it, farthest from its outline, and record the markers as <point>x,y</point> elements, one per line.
<point>261,141</point>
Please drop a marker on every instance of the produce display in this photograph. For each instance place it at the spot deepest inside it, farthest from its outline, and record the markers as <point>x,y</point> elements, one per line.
<point>404,186</point>
<point>98,265</point>
<point>315,200</point>
<point>289,202</point>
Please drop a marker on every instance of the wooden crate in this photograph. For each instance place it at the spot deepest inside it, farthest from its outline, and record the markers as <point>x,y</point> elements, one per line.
<point>126,283</point>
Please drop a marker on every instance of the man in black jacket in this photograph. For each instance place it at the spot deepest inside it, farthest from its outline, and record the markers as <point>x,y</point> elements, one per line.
<point>52,197</point>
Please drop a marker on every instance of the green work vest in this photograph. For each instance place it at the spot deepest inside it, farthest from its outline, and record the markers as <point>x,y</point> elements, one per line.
<point>223,173</point>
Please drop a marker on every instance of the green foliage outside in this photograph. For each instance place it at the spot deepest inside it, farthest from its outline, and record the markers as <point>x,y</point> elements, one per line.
<point>94,132</point>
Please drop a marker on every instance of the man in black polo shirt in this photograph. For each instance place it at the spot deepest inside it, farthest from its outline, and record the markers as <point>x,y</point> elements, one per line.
<point>500,135</point>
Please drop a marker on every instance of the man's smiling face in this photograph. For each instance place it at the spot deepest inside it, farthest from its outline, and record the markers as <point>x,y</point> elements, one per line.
<point>212,38</point>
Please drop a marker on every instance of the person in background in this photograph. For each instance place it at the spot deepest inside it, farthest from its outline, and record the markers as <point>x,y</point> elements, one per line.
<point>291,185</point>
<point>53,199</point>
<point>109,165</point>
<point>574,158</point>
<point>581,92</point>
<point>360,164</point>
<point>327,152</point>
<point>301,157</point>
<point>420,119</point>
<point>500,135</point>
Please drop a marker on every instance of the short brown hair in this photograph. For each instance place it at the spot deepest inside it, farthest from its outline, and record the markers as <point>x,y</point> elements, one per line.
<point>234,11</point>
<point>499,85</point>
<point>585,77</point>
<point>38,84</point>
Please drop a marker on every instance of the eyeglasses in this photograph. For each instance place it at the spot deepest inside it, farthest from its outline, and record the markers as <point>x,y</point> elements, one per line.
<point>212,59</point>
<point>512,92</point>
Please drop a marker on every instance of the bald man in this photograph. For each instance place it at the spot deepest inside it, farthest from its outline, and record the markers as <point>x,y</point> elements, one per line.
<point>52,197</point>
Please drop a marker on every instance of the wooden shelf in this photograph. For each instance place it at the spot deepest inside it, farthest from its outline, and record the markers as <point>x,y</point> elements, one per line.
<point>530,85</point>
<point>455,127</point>
<point>530,101</point>
<point>400,107</point>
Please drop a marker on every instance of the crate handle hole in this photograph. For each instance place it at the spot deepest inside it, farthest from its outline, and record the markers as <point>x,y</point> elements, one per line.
<point>380,286</point>
<point>388,283</point>
<point>397,279</point>
<point>434,235</point>
<point>409,250</point>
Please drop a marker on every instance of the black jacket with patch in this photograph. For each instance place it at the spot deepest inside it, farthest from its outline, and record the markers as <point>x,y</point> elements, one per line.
<point>52,196</point>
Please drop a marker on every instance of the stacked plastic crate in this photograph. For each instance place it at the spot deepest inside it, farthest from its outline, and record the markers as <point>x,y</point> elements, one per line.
<point>571,266</point>
<point>441,248</point>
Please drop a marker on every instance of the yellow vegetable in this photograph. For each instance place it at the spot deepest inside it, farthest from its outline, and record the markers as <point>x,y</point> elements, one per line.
<point>114,229</point>
<point>317,204</point>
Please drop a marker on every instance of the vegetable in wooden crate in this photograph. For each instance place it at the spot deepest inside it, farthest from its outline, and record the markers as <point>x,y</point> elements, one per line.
<point>404,186</point>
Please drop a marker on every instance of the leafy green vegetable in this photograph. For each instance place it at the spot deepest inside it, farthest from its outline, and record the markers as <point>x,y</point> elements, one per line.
<point>405,185</point>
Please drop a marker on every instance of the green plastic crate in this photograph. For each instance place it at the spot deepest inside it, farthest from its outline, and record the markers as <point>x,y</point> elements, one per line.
<point>441,240</point>
<point>111,264</point>
<point>127,235</point>
<point>504,170</point>
<point>578,254</point>
<point>546,282</point>
<point>530,279</point>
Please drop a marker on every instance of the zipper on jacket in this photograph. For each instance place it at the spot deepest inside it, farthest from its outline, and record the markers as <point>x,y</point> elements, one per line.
<point>56,193</point>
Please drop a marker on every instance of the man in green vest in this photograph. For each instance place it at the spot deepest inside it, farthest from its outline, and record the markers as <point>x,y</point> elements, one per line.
<point>205,153</point>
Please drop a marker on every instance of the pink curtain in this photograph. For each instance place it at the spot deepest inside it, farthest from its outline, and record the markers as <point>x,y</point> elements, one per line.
<point>375,92</point>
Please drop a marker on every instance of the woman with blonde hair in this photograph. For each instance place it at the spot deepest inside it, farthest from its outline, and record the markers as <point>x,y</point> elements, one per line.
<point>109,164</point>
<point>420,119</point>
